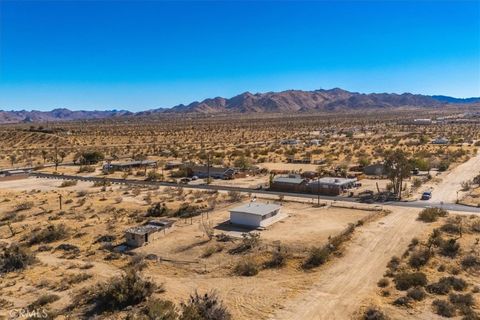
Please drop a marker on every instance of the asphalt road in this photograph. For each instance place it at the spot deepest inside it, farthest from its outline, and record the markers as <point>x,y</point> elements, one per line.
<point>411,204</point>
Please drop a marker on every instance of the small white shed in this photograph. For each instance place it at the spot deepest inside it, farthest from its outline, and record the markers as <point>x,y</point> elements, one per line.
<point>255,214</point>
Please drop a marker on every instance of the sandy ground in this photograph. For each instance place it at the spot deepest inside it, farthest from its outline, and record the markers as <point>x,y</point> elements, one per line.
<point>288,166</point>
<point>29,184</point>
<point>346,284</point>
<point>446,190</point>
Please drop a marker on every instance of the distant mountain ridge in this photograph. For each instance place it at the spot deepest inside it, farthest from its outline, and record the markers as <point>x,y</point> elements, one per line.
<point>301,101</point>
<point>288,101</point>
<point>60,114</point>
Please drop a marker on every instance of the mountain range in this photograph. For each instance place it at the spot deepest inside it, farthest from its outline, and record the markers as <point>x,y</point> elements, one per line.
<point>289,101</point>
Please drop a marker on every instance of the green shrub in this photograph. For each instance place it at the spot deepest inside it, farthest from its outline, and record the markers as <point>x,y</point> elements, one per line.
<point>405,280</point>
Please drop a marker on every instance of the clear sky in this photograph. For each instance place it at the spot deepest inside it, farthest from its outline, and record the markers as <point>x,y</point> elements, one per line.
<point>147,54</point>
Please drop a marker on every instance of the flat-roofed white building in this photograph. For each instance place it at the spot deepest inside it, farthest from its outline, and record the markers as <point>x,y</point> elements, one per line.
<point>255,214</point>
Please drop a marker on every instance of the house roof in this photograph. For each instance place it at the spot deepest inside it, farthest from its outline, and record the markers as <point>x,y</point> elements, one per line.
<point>133,163</point>
<point>204,169</point>
<point>289,179</point>
<point>333,181</point>
<point>256,208</point>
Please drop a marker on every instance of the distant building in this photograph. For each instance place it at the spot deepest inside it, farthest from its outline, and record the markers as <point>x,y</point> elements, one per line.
<point>422,121</point>
<point>441,141</point>
<point>289,183</point>
<point>173,165</point>
<point>377,169</point>
<point>141,235</point>
<point>254,214</point>
<point>125,166</point>
<point>289,141</point>
<point>213,172</point>
<point>331,186</point>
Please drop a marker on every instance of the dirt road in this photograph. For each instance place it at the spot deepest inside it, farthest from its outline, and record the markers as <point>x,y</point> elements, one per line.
<point>446,190</point>
<point>348,281</point>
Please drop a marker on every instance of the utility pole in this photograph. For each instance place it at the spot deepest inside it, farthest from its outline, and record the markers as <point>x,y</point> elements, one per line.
<point>318,191</point>
<point>60,201</point>
<point>208,168</point>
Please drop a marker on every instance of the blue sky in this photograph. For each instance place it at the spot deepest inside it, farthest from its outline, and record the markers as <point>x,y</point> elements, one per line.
<point>148,54</point>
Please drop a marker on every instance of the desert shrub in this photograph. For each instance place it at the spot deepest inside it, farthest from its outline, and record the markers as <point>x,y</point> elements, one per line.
<point>68,183</point>
<point>405,280</point>
<point>234,196</point>
<point>471,262</point>
<point>153,176</point>
<point>157,309</point>
<point>87,169</point>
<point>137,262</point>
<point>431,214</point>
<point>373,313</point>
<point>419,258</point>
<point>443,308</point>
<point>475,227</point>
<point>120,292</point>
<point>417,293</point>
<point>403,301</point>
<point>157,210</point>
<point>89,157</point>
<point>15,258</point>
<point>246,267</point>
<point>384,282</point>
<point>49,234</point>
<point>77,278</point>
<point>278,258</point>
<point>394,263</point>
<point>204,307</point>
<point>210,250</point>
<point>449,248</point>
<point>44,300</point>
<point>451,228</point>
<point>462,299</point>
<point>24,206</point>
<point>249,241</point>
<point>444,285</point>
<point>316,257</point>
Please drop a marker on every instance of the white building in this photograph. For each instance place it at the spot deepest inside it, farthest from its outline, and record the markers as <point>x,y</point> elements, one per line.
<point>255,214</point>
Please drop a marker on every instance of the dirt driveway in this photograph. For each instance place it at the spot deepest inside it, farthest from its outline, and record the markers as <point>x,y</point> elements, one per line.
<point>446,190</point>
<point>348,282</point>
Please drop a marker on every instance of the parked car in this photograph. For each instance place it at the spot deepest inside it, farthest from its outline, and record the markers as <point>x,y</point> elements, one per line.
<point>427,195</point>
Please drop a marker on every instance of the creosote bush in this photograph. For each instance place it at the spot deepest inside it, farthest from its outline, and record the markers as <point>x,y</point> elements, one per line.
<point>15,257</point>
<point>443,308</point>
<point>246,267</point>
<point>204,307</point>
<point>431,214</point>
<point>405,280</point>
<point>49,234</point>
<point>373,313</point>
<point>120,292</point>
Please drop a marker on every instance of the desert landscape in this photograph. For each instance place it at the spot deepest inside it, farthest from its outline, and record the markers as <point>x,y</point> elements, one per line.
<point>239,160</point>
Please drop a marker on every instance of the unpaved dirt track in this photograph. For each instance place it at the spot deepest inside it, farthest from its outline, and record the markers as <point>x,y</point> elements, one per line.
<point>446,190</point>
<point>348,281</point>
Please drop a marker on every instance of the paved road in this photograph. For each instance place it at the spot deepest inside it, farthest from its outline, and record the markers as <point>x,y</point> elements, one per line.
<point>132,182</point>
